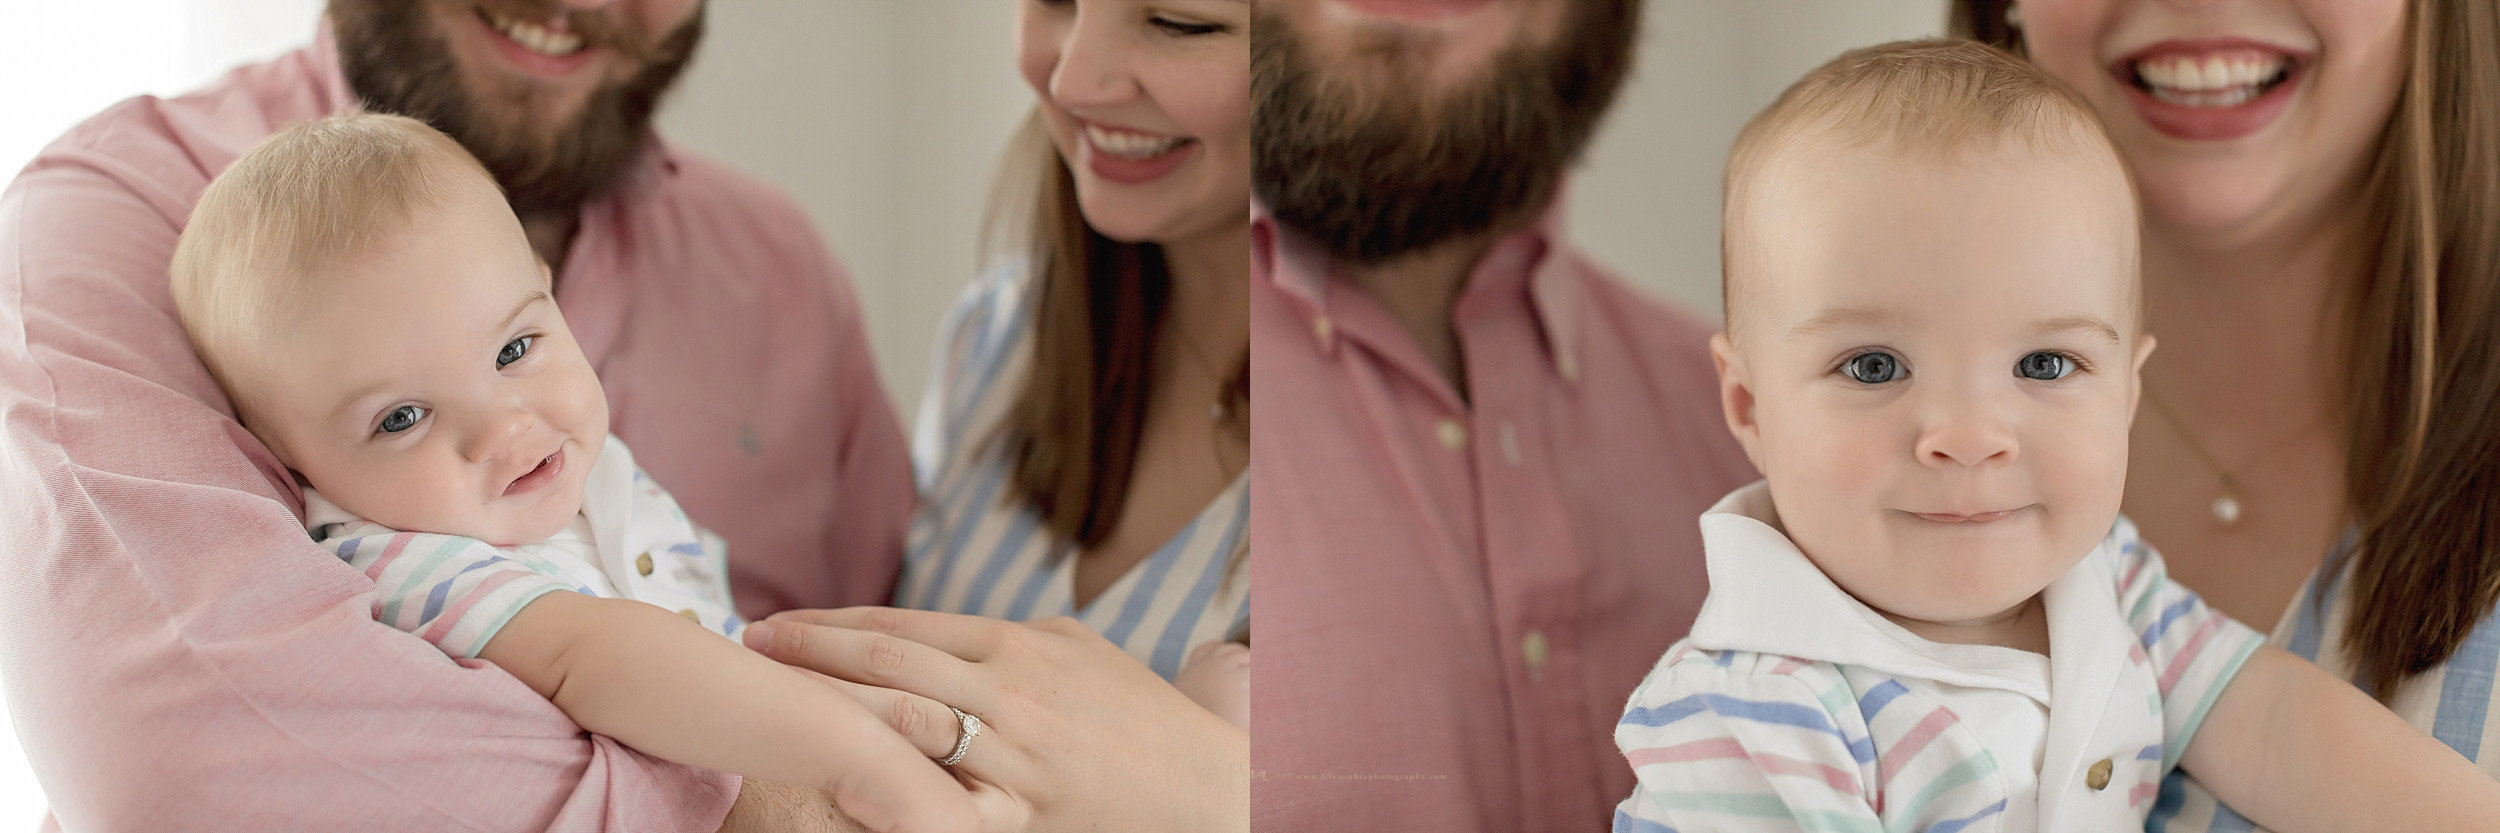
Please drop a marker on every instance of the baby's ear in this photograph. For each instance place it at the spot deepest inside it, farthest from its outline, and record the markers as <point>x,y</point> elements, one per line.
<point>1736,399</point>
<point>2135,380</point>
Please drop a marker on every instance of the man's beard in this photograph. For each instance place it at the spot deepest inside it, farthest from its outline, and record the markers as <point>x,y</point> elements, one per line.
<point>396,63</point>
<point>1371,170</point>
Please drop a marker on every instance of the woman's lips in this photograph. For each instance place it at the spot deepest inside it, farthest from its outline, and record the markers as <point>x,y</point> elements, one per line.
<point>2212,89</point>
<point>1131,157</point>
<point>536,478</point>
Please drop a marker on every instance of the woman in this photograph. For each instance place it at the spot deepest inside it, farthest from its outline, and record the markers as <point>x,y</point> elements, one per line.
<point>1083,442</point>
<point>1082,448</point>
<point>2320,183</point>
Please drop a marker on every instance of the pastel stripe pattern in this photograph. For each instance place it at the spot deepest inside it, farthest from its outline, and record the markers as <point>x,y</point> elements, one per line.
<point>2193,649</point>
<point>454,592</point>
<point>1744,741</point>
<point>2453,702</point>
<point>975,549</point>
<point>1755,744</point>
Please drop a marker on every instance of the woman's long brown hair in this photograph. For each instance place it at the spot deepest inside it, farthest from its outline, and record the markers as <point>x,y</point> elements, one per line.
<point>2422,467</point>
<point>1075,426</point>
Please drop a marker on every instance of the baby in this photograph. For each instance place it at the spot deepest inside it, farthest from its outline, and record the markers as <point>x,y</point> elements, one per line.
<point>1930,616</point>
<point>375,314</point>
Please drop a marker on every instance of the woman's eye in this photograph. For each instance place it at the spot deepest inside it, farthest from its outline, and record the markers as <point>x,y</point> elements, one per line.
<point>513,351</point>
<point>1183,27</point>
<point>2045,366</point>
<point>1872,368</point>
<point>402,418</point>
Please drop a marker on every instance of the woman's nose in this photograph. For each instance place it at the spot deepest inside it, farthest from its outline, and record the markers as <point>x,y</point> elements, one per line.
<point>1093,67</point>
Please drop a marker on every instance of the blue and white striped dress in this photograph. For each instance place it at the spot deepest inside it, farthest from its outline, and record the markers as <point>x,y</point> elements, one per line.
<point>976,549</point>
<point>2454,702</point>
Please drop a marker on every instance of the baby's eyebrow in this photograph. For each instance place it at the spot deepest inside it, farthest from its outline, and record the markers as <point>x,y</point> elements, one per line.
<point>2071,323</point>
<point>535,296</point>
<point>1839,318</point>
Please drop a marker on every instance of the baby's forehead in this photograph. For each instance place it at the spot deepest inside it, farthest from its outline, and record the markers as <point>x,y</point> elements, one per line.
<point>1859,219</point>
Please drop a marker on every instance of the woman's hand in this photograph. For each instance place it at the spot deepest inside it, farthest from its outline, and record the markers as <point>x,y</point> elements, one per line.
<point>1077,735</point>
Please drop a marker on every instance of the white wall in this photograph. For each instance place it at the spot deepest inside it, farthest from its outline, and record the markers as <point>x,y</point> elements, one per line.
<point>885,118</point>
<point>1645,201</point>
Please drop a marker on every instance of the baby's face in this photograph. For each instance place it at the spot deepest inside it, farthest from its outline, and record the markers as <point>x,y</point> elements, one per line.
<point>1936,369</point>
<point>433,387</point>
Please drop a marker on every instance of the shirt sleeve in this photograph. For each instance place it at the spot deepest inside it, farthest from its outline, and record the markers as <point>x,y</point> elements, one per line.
<point>454,592</point>
<point>974,337</point>
<point>1719,747</point>
<point>2193,650</point>
<point>180,654</point>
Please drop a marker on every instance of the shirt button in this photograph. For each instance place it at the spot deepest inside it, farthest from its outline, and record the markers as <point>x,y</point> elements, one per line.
<point>2098,776</point>
<point>1323,328</point>
<point>642,563</point>
<point>1453,434</point>
<point>1532,648</point>
<point>690,616</point>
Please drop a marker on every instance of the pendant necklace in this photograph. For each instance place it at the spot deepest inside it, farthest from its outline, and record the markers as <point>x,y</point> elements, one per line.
<point>2226,508</point>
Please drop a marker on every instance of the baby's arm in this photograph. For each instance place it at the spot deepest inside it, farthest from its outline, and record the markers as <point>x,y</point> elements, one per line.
<point>1750,746</point>
<point>670,688</point>
<point>1217,676</point>
<point>2295,749</point>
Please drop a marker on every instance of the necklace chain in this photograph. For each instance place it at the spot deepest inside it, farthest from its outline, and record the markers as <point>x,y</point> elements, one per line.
<point>2226,506</point>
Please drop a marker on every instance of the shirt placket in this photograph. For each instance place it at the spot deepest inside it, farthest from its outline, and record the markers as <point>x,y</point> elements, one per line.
<point>1533,569</point>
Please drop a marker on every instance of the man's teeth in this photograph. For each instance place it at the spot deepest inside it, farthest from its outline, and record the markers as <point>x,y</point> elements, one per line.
<point>1127,145</point>
<point>2215,81</point>
<point>536,37</point>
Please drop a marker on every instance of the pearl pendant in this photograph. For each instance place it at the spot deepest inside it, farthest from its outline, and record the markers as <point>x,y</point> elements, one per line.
<point>2227,509</point>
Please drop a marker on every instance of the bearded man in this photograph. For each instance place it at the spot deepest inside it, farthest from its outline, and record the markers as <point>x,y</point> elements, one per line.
<point>183,657</point>
<point>1480,457</point>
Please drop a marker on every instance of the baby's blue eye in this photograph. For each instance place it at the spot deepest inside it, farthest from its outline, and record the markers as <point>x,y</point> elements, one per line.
<point>513,351</point>
<point>2045,366</point>
<point>401,418</point>
<point>1872,368</point>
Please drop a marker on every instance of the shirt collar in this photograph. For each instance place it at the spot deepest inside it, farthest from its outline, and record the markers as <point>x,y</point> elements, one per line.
<point>1534,255</point>
<point>1766,597</point>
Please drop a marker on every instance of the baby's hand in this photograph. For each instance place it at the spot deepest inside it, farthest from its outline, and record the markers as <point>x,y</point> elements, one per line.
<point>1217,676</point>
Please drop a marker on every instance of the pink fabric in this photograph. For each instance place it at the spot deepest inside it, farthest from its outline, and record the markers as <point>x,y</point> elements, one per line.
<point>1399,578</point>
<point>179,655</point>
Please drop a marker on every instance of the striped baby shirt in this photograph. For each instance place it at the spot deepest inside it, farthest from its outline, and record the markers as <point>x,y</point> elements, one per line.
<point>975,548</point>
<point>2456,702</point>
<point>629,541</point>
<point>1793,706</point>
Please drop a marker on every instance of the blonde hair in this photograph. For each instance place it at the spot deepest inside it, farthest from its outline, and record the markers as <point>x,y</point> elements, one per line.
<point>296,204</point>
<point>1923,99</point>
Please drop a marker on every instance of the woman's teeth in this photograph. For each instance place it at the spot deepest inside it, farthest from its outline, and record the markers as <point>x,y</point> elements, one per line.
<point>1127,145</point>
<point>535,37</point>
<point>2215,81</point>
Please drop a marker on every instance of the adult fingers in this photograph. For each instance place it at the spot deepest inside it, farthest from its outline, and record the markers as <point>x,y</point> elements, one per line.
<point>973,638</point>
<point>873,658</point>
<point>928,724</point>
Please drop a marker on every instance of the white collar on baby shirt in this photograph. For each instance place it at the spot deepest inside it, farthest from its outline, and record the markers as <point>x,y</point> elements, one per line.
<point>607,500</point>
<point>1766,597</point>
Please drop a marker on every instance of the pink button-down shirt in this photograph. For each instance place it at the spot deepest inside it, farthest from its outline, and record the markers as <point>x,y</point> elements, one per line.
<point>180,655</point>
<point>1455,597</point>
